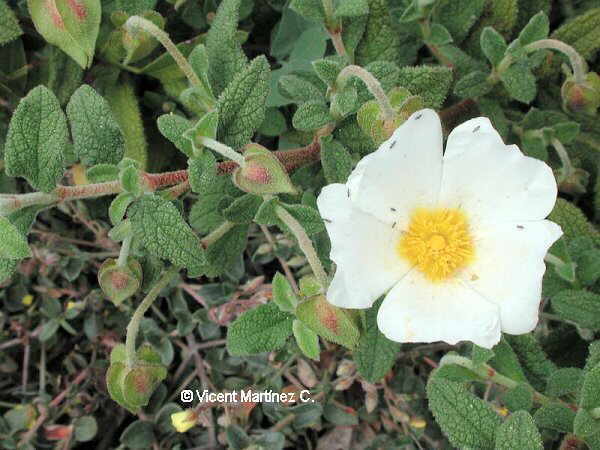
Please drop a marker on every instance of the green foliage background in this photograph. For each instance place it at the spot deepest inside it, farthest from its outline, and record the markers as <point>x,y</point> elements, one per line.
<point>106,134</point>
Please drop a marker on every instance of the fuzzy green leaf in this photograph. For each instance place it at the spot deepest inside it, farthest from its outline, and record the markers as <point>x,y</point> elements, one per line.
<point>72,26</point>
<point>243,209</point>
<point>283,294</point>
<point>97,137</point>
<point>458,16</point>
<point>537,28</point>
<point>581,307</point>
<point>555,416</point>
<point>173,128</point>
<point>328,321</point>
<point>467,420</point>
<point>520,82</point>
<point>535,362</point>
<point>311,9</point>
<point>439,35</point>
<point>164,233</point>
<point>258,330</point>
<point>222,254</point>
<point>375,354</point>
<point>431,83</point>
<point>9,25</point>
<point>473,85</point>
<point>382,40</point>
<point>224,51</point>
<point>493,45</point>
<point>299,89</point>
<point>336,161</point>
<point>37,139</point>
<point>590,391</point>
<point>573,221</point>
<point>13,245</point>
<point>566,380</point>
<point>241,106</point>
<point>582,33</point>
<point>311,115</point>
<point>519,398</point>
<point>350,8</point>
<point>518,431</point>
<point>307,339</point>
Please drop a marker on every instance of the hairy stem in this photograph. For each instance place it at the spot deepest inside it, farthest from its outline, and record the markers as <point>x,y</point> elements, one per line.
<point>134,323</point>
<point>160,35</point>
<point>577,62</point>
<point>217,233</point>
<point>372,84</point>
<point>568,168</point>
<point>224,150</point>
<point>124,252</point>
<point>305,244</point>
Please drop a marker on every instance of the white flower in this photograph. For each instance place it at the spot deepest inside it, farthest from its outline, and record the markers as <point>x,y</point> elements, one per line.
<point>458,240</point>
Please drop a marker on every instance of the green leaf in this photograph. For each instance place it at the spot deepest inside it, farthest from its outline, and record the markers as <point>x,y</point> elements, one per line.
<point>205,127</point>
<point>336,161</point>
<point>518,431</point>
<point>72,26</point>
<point>311,9</point>
<point>85,428</point>
<point>536,29</point>
<point>243,209</point>
<point>581,307</point>
<point>328,321</point>
<point>431,83</point>
<point>97,137</point>
<point>582,33</point>
<point>164,233</point>
<point>439,35</point>
<point>13,245</point>
<point>458,16</point>
<point>383,40</point>
<point>283,294</point>
<point>258,330</point>
<point>225,54</point>
<point>117,208</point>
<point>308,216</point>
<point>563,381</point>
<point>311,115</point>
<point>467,420</point>
<point>573,221</point>
<point>536,365</point>
<point>126,110</point>
<point>173,127</point>
<point>138,435</point>
<point>350,8</point>
<point>274,123</point>
<point>520,82</point>
<point>328,70</point>
<point>241,106</point>
<point>493,45</point>
<point>475,84</point>
<point>556,416</point>
<point>22,220</point>
<point>202,171</point>
<point>9,25</point>
<point>223,254</point>
<point>102,173</point>
<point>481,355</point>
<point>519,398</point>
<point>307,339</point>
<point>299,89</point>
<point>375,354</point>
<point>585,425</point>
<point>37,139</point>
<point>506,362</point>
<point>590,391</point>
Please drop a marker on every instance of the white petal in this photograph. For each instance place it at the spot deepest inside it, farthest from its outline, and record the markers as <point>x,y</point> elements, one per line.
<point>508,269</point>
<point>417,310</point>
<point>363,249</point>
<point>492,181</point>
<point>404,172</point>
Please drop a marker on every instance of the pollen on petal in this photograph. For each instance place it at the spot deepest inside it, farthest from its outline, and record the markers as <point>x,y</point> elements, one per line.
<point>438,242</point>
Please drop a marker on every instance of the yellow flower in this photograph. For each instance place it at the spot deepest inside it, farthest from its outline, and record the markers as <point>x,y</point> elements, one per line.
<point>27,300</point>
<point>184,420</point>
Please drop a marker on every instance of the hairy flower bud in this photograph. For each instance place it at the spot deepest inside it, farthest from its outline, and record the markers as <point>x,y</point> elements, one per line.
<point>582,97</point>
<point>263,173</point>
<point>120,282</point>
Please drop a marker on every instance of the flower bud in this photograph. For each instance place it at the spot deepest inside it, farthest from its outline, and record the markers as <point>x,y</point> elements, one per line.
<point>184,420</point>
<point>575,182</point>
<point>120,282</point>
<point>582,97</point>
<point>263,173</point>
<point>370,116</point>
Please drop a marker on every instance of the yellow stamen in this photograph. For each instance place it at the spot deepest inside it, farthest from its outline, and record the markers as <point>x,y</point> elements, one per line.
<point>438,242</point>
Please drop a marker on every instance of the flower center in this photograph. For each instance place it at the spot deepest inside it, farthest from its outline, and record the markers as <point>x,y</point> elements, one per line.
<point>438,242</point>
